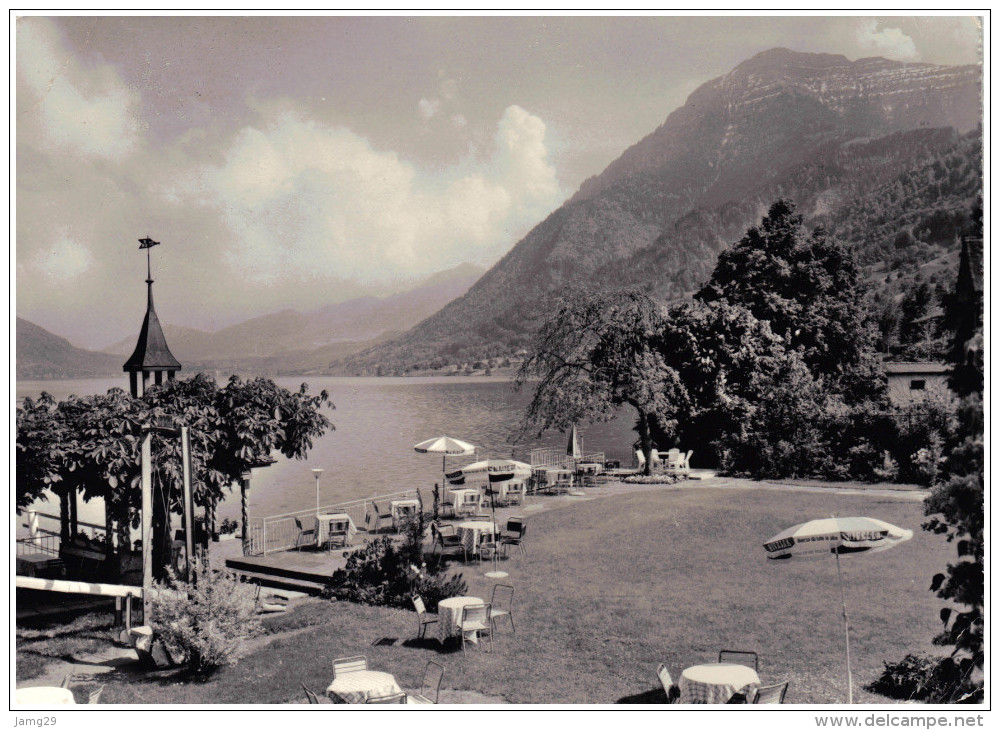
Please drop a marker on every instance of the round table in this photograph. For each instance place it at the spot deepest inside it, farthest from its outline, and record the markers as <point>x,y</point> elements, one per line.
<point>715,684</point>
<point>356,688</point>
<point>450,615</point>
<point>44,696</point>
<point>470,533</point>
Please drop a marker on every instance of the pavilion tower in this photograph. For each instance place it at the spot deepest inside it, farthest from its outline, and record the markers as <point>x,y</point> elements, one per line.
<point>151,355</point>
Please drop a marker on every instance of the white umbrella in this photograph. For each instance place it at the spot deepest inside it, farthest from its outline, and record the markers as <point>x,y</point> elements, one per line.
<point>573,447</point>
<point>446,446</point>
<point>836,536</point>
<point>490,470</point>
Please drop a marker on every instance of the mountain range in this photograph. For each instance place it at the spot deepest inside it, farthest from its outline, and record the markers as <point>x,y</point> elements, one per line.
<point>283,342</point>
<point>828,133</point>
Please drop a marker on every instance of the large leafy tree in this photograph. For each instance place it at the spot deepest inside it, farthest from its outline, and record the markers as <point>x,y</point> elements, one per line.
<point>598,353</point>
<point>807,287</point>
<point>93,444</point>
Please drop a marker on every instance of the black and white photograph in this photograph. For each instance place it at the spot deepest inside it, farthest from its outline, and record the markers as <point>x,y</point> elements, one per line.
<point>511,361</point>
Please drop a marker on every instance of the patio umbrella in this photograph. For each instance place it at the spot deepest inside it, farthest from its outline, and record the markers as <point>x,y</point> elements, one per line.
<point>444,445</point>
<point>490,470</point>
<point>573,447</point>
<point>836,536</point>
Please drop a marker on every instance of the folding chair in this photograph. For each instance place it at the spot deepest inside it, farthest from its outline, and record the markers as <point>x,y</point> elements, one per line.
<point>305,537</point>
<point>396,699</point>
<point>502,603</point>
<point>474,620</point>
<point>773,694</point>
<point>740,657</point>
<point>349,664</point>
<point>310,696</point>
<point>423,618</point>
<point>513,534</point>
<point>430,685</point>
<point>672,690</point>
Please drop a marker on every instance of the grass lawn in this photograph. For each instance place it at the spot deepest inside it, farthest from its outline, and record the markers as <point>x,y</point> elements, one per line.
<point>612,587</point>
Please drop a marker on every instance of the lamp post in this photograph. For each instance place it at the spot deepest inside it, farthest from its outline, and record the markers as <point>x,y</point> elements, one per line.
<point>316,473</point>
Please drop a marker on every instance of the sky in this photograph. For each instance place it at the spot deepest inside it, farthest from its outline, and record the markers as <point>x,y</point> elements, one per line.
<point>292,162</point>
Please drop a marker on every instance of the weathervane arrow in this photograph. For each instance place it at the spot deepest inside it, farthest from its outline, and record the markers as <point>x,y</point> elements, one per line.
<point>147,243</point>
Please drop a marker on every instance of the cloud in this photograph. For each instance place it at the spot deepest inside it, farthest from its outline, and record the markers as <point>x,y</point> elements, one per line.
<point>889,42</point>
<point>64,259</point>
<point>308,201</point>
<point>71,107</point>
<point>427,108</point>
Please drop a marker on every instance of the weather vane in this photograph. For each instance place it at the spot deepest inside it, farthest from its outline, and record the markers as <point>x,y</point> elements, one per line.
<point>147,243</point>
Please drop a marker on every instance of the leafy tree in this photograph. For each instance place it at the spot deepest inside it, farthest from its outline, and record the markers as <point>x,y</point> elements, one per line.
<point>808,288</point>
<point>93,444</point>
<point>599,352</point>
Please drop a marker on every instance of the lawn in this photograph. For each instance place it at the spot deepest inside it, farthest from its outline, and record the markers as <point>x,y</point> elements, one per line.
<point>612,587</point>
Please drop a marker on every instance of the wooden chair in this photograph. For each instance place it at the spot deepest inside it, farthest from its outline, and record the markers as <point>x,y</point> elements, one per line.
<point>310,696</point>
<point>430,686</point>
<point>502,603</point>
<point>672,690</point>
<point>773,694</point>
<point>349,664</point>
<point>305,537</point>
<point>94,698</point>
<point>740,657</point>
<point>396,699</point>
<point>513,534</point>
<point>423,618</point>
<point>474,620</point>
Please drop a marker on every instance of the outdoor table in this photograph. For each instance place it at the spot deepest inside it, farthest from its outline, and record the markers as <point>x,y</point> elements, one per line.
<point>356,688</point>
<point>558,478</point>
<point>450,616</point>
<point>402,509</point>
<point>470,534</point>
<point>44,696</point>
<point>588,468</point>
<point>715,684</point>
<point>511,489</point>
<point>466,500</point>
<point>329,527</point>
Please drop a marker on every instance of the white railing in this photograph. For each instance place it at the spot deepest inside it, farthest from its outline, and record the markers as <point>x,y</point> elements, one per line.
<point>281,532</point>
<point>553,457</point>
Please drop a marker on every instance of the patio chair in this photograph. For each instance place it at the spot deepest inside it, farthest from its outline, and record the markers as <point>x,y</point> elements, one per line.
<point>514,535</point>
<point>374,518</point>
<point>94,698</point>
<point>474,620</point>
<point>740,657</point>
<point>672,690</point>
<point>305,537</point>
<point>773,694</point>
<point>430,686</point>
<point>502,602</point>
<point>311,696</point>
<point>396,699</point>
<point>488,545</point>
<point>686,462</point>
<point>640,459</point>
<point>655,460</point>
<point>423,618</point>
<point>349,664</point>
<point>444,538</point>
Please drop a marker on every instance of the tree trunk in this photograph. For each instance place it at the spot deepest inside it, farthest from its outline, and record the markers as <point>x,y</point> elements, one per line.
<point>64,515</point>
<point>244,486</point>
<point>161,532</point>
<point>645,441</point>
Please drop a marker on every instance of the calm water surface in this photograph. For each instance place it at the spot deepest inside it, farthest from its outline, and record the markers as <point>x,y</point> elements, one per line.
<point>377,421</point>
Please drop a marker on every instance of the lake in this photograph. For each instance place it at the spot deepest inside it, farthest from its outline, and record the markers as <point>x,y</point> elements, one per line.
<point>377,422</point>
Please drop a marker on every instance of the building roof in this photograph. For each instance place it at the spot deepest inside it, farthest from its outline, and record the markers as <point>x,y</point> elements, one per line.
<point>916,368</point>
<point>151,351</point>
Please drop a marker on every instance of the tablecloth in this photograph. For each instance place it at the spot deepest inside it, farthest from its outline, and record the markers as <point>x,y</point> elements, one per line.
<point>450,615</point>
<point>44,696</point>
<point>715,684</point>
<point>356,688</point>
<point>332,524</point>
<point>466,501</point>
<point>471,533</point>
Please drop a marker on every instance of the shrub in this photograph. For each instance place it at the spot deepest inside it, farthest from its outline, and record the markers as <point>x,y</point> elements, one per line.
<point>384,573</point>
<point>921,677</point>
<point>205,625</point>
<point>228,526</point>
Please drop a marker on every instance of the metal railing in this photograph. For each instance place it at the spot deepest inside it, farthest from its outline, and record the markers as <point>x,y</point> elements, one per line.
<point>280,532</point>
<point>553,457</point>
<point>45,542</point>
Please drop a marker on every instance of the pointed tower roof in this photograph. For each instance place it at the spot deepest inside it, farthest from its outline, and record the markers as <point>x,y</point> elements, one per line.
<point>151,351</point>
